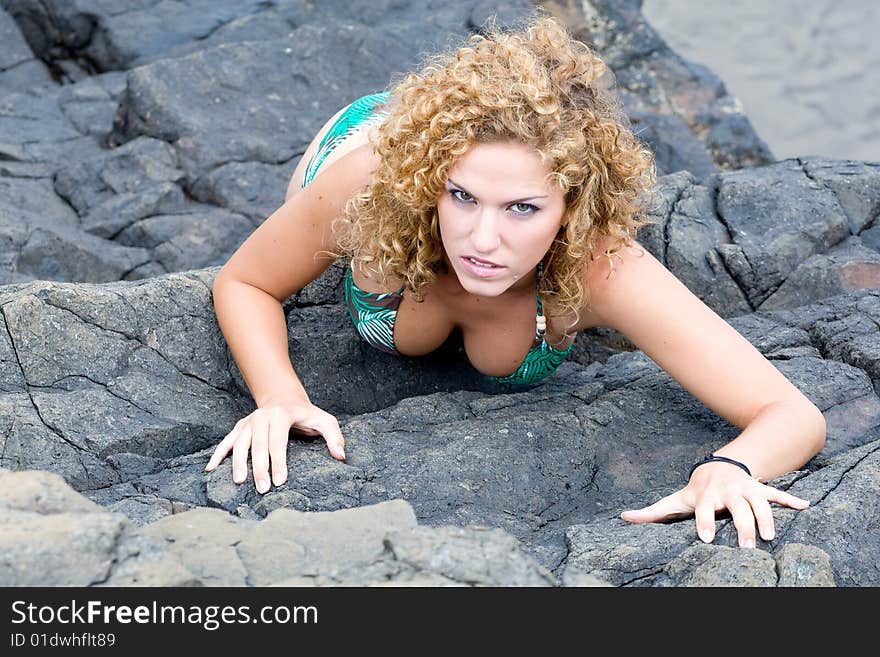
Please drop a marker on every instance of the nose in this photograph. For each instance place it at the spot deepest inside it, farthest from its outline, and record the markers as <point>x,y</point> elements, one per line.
<point>486,233</point>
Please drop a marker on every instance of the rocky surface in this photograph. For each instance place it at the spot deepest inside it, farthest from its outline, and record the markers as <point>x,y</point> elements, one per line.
<point>160,150</point>
<point>53,536</point>
<point>123,389</point>
<point>138,160</point>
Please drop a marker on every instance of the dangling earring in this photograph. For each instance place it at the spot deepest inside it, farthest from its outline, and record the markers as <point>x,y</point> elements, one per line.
<point>540,319</point>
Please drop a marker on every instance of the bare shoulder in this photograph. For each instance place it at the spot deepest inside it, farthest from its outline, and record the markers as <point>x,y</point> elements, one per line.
<point>607,278</point>
<point>284,253</point>
<point>654,310</point>
<point>359,137</point>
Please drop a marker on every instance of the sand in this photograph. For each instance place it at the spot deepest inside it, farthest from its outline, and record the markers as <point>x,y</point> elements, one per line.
<point>807,71</point>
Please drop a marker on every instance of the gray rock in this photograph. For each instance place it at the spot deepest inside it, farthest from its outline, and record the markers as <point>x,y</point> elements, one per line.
<point>264,113</point>
<point>841,519</point>
<point>50,535</point>
<point>830,541</point>
<point>33,127</point>
<point>91,104</point>
<point>551,466</point>
<point>803,565</point>
<point>377,544</point>
<point>123,386</point>
<point>777,217</point>
<point>203,236</point>
<point>692,235</point>
<point>766,238</point>
<point>847,266</point>
<point>855,184</point>
<point>733,143</point>
<point>40,238</point>
<point>238,150</point>
<point>844,328</point>
<point>674,146</point>
<point>705,565</point>
<point>54,537</point>
<point>136,166</point>
<point>19,69</point>
<point>665,91</point>
<point>253,189</point>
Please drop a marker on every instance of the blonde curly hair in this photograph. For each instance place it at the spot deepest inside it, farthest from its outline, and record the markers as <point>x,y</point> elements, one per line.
<point>537,85</point>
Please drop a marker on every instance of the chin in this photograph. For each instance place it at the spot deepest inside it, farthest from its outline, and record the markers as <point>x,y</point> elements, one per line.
<point>486,288</point>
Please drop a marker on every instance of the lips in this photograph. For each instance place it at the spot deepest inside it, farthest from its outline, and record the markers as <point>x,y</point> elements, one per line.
<point>480,270</point>
<point>485,262</point>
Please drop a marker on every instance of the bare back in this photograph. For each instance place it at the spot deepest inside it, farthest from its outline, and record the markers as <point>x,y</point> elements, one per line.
<point>353,141</point>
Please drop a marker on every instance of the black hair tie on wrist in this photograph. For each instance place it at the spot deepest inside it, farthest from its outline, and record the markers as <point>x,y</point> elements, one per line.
<point>723,459</point>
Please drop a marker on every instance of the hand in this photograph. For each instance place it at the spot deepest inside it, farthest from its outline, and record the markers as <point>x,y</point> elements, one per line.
<point>265,433</point>
<point>715,487</point>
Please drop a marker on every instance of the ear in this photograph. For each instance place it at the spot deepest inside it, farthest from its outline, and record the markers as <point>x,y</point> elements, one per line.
<point>566,217</point>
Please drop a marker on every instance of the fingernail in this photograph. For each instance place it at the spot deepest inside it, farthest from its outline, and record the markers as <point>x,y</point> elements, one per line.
<point>770,535</point>
<point>749,543</point>
<point>706,535</point>
<point>343,455</point>
<point>263,485</point>
<point>278,479</point>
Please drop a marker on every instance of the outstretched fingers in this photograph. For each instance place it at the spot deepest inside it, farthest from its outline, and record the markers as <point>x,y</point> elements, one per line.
<point>240,453</point>
<point>763,515</point>
<point>260,451</point>
<point>743,520</point>
<point>782,497</point>
<point>325,424</point>
<point>279,431</point>
<point>704,516</point>
<point>224,446</point>
<point>329,427</point>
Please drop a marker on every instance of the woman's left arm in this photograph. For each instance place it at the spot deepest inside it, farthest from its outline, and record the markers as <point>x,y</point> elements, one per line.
<point>781,428</point>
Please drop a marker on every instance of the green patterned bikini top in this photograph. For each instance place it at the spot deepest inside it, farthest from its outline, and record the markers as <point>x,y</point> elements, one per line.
<point>374,315</point>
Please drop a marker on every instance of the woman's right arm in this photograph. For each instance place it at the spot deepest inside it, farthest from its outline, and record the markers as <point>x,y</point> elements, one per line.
<point>277,260</point>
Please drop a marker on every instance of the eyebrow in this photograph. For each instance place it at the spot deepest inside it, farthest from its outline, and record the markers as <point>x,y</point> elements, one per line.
<point>519,200</point>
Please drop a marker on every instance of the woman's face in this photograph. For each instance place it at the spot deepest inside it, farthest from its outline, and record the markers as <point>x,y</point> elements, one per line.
<point>498,208</point>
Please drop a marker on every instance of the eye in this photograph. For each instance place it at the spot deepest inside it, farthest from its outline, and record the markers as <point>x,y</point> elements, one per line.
<point>530,209</point>
<point>453,193</point>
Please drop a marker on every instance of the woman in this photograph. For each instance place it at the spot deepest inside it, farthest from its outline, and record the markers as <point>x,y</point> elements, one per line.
<point>474,195</point>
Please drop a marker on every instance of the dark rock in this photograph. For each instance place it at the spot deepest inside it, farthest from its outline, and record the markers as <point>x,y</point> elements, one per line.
<point>777,217</point>
<point>733,143</point>
<point>567,453</point>
<point>841,519</point>
<point>91,104</point>
<point>843,328</point>
<point>847,266</point>
<point>253,189</point>
<point>204,236</point>
<point>19,69</point>
<point>32,119</point>
<point>855,184</point>
<point>40,238</point>
<point>166,147</point>
<point>136,166</point>
<point>674,146</point>
<point>666,91</point>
